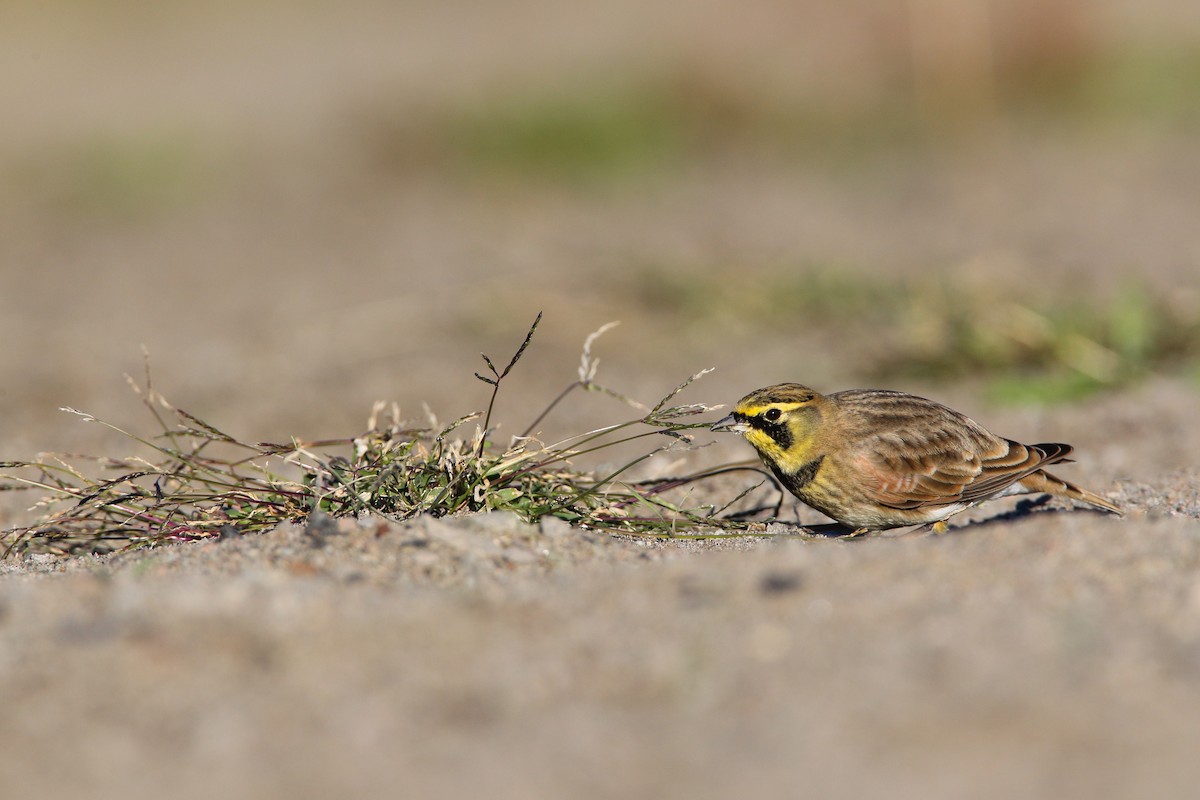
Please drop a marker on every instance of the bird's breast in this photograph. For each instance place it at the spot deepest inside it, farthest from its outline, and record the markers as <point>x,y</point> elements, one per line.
<point>798,478</point>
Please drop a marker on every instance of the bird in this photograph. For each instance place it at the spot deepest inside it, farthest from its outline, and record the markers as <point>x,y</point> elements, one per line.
<point>876,459</point>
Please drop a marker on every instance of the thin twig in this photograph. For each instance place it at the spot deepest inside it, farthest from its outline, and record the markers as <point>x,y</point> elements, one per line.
<point>499,376</point>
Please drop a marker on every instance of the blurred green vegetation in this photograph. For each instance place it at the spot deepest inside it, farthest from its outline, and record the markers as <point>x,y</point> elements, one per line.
<point>130,176</point>
<point>640,124</point>
<point>1025,346</point>
<point>1040,349</point>
<point>645,123</point>
<point>578,135</point>
<point>1142,84</point>
<point>635,129</point>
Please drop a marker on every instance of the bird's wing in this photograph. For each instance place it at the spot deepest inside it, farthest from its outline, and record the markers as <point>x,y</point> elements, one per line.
<point>947,466</point>
<point>1012,462</point>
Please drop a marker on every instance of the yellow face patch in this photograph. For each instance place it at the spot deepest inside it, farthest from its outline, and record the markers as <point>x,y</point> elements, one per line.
<point>780,432</point>
<point>764,444</point>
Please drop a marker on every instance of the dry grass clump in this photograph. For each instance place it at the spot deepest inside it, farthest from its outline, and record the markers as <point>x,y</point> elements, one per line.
<point>194,481</point>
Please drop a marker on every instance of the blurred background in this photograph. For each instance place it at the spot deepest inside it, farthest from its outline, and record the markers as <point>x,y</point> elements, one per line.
<point>300,208</point>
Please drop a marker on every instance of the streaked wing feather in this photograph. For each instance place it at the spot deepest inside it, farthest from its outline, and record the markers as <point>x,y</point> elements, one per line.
<point>1021,461</point>
<point>942,458</point>
<point>915,453</point>
<point>913,482</point>
<point>942,478</point>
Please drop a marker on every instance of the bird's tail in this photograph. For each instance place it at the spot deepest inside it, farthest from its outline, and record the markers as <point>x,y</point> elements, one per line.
<point>1042,481</point>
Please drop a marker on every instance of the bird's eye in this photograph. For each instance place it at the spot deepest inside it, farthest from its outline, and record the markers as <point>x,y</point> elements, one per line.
<point>772,414</point>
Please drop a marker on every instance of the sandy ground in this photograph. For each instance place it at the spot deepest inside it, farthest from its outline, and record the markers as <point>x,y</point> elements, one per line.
<point>289,278</point>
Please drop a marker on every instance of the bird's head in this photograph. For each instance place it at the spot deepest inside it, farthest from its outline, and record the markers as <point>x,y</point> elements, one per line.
<point>779,421</point>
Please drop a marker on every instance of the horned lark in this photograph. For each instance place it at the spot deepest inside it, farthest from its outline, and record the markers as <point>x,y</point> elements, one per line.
<point>874,459</point>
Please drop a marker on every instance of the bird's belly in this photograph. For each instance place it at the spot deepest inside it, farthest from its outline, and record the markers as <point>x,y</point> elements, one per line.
<point>866,513</point>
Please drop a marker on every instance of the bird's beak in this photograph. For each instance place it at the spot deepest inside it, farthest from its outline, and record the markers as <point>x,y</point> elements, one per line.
<point>730,424</point>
